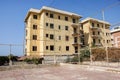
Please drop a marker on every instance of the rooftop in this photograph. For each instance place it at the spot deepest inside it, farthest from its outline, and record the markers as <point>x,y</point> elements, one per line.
<point>53,10</point>
<point>93,19</point>
<point>116,29</point>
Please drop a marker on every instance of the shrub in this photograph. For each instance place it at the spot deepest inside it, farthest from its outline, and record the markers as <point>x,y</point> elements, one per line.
<point>34,60</point>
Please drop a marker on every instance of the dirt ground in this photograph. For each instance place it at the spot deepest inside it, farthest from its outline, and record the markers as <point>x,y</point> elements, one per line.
<point>58,73</point>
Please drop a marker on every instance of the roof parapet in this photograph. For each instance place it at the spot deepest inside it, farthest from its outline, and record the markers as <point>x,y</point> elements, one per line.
<point>51,9</point>
<point>93,19</point>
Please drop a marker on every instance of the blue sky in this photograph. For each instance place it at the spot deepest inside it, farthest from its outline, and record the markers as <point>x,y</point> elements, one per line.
<point>13,12</point>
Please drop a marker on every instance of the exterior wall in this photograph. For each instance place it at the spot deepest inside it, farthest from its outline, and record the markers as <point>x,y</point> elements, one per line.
<point>30,32</point>
<point>42,41</point>
<point>116,39</point>
<point>98,33</point>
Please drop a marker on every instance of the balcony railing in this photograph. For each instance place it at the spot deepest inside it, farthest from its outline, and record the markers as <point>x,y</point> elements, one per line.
<point>98,44</point>
<point>95,28</point>
<point>96,36</point>
<point>75,34</point>
<point>75,25</point>
<point>76,44</point>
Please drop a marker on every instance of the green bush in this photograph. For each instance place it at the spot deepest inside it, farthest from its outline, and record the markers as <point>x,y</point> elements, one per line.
<point>34,60</point>
<point>3,60</point>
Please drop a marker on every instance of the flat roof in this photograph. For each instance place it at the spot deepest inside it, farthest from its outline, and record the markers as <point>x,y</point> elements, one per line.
<point>93,19</point>
<point>115,30</point>
<point>53,10</point>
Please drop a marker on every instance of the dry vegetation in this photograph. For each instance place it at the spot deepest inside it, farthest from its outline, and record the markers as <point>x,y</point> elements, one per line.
<point>99,54</point>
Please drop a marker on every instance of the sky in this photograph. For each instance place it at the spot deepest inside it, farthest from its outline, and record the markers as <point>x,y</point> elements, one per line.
<point>13,12</point>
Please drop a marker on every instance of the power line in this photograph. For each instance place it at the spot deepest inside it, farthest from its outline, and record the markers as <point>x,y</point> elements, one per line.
<point>106,8</point>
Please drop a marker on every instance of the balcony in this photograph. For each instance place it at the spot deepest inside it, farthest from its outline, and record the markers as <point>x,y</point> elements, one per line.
<point>96,36</point>
<point>75,34</point>
<point>75,25</point>
<point>82,36</point>
<point>76,44</point>
<point>98,44</point>
<point>95,28</point>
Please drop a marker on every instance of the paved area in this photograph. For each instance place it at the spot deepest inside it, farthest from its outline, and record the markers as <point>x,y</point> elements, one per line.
<point>58,73</point>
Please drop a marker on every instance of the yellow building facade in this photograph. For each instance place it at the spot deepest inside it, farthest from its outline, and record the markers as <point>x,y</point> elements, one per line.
<point>96,32</point>
<point>50,31</point>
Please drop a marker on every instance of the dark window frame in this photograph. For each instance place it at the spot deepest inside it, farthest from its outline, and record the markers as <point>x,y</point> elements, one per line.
<point>59,17</point>
<point>59,27</point>
<point>66,28</point>
<point>47,24</point>
<point>66,18</point>
<point>51,26</point>
<point>34,26</point>
<point>51,15</point>
<point>47,47</point>
<point>51,47</point>
<point>47,35</point>
<point>34,37</point>
<point>35,16</point>
<point>67,48</point>
<point>74,20</point>
<point>34,48</point>
<point>46,13</point>
<point>66,38</point>
<point>51,36</point>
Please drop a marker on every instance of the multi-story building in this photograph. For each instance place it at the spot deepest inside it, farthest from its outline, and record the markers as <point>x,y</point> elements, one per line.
<point>50,31</point>
<point>116,36</point>
<point>96,32</point>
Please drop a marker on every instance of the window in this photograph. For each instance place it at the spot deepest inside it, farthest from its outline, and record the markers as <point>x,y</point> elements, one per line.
<point>59,37</point>
<point>107,41</point>
<point>106,34</point>
<point>47,47</point>
<point>81,26</point>
<point>98,33</point>
<point>93,32</point>
<point>51,25</point>
<point>51,16</point>
<point>59,27</point>
<point>66,18</point>
<point>92,24</point>
<point>75,39</point>
<point>99,41</point>
<point>75,30</point>
<point>34,26</point>
<point>52,47</point>
<point>58,17</point>
<point>46,24</point>
<point>46,14</point>
<point>34,16</point>
<point>67,48</point>
<point>66,28</point>
<point>67,38</point>
<point>34,37</point>
<point>74,21</point>
<point>94,41</point>
<point>47,35</point>
<point>98,25</point>
<point>34,48</point>
<point>51,36</point>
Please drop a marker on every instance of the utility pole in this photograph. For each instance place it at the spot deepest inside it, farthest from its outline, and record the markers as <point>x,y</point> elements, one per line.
<point>10,61</point>
<point>107,59</point>
<point>103,15</point>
